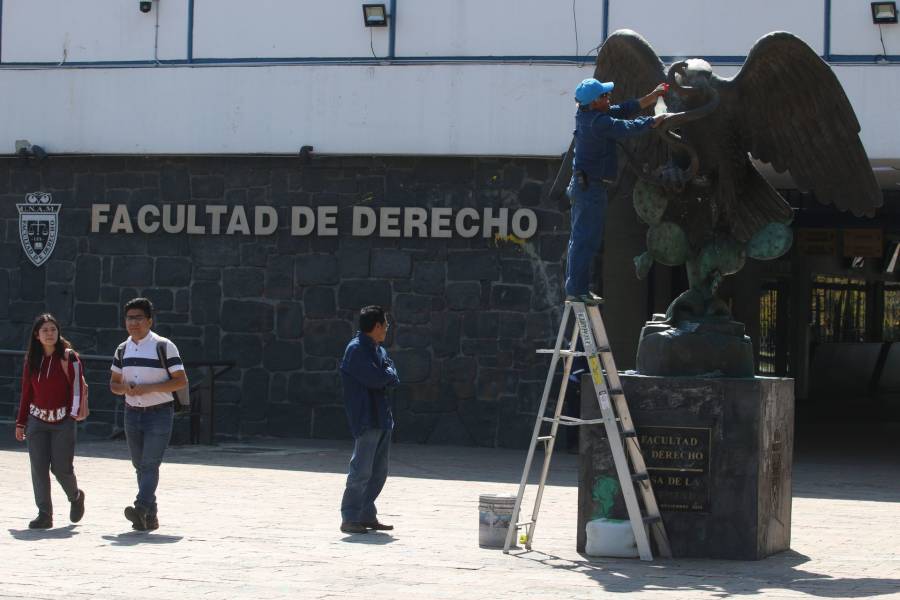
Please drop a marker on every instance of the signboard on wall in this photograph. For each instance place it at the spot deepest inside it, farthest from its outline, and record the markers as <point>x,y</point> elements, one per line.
<point>817,242</point>
<point>866,243</point>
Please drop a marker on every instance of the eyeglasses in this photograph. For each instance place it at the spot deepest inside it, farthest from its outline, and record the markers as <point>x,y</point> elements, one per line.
<point>134,319</point>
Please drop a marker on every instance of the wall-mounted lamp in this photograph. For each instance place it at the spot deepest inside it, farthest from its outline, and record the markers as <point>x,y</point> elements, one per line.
<point>375,15</point>
<point>26,149</point>
<point>884,12</point>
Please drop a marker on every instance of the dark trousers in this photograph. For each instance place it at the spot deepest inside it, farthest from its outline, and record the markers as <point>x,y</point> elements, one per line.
<point>51,448</point>
<point>148,434</point>
<point>588,218</point>
<point>366,477</point>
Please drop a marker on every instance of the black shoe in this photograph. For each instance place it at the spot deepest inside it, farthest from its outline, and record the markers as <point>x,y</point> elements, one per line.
<point>138,517</point>
<point>43,521</point>
<point>76,510</point>
<point>377,526</point>
<point>152,523</point>
<point>351,527</point>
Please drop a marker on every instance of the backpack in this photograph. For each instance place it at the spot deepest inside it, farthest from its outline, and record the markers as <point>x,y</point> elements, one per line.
<point>183,395</point>
<point>80,409</point>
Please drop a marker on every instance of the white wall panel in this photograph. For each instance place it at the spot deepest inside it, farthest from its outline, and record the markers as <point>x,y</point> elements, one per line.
<point>285,29</point>
<point>441,110</point>
<point>854,33</point>
<point>92,30</point>
<point>425,109</point>
<point>497,27</point>
<point>716,27</point>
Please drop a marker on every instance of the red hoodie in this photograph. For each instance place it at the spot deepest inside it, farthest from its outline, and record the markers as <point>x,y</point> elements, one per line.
<point>48,393</point>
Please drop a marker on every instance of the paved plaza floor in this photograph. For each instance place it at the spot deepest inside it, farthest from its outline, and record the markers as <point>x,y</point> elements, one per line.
<point>260,520</point>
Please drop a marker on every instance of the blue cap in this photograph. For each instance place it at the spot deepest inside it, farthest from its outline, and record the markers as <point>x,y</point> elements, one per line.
<point>591,89</point>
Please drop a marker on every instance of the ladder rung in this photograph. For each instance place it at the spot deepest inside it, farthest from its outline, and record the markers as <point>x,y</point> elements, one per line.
<point>649,520</point>
<point>640,476</point>
<point>629,433</point>
<point>561,352</point>
<point>523,524</point>
<point>545,438</point>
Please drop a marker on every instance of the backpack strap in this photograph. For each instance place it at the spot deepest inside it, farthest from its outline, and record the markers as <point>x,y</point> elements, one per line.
<point>163,357</point>
<point>120,354</point>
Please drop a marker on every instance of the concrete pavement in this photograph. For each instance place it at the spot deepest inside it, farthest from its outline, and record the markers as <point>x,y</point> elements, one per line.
<point>261,521</point>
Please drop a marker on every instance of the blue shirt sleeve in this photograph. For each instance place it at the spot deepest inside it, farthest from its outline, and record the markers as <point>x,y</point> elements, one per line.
<point>605,126</point>
<point>366,371</point>
<point>626,110</point>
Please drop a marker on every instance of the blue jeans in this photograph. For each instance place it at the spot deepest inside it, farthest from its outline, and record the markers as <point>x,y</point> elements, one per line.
<point>588,219</point>
<point>368,472</point>
<point>148,434</point>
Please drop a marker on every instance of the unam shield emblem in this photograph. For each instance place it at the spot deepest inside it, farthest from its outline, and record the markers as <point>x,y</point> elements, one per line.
<point>38,226</point>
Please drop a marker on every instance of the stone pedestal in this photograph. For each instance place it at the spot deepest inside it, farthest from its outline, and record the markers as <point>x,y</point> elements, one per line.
<point>719,453</point>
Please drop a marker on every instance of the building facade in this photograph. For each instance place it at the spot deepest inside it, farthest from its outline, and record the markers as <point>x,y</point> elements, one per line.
<point>262,170</point>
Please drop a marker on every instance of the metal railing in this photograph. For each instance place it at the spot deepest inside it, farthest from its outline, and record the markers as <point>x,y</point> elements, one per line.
<point>202,394</point>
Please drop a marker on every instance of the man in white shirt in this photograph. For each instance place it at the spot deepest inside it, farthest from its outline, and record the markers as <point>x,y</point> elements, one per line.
<point>139,374</point>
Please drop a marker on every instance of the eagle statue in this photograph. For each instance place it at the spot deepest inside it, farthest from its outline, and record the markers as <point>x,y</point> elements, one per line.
<point>693,182</point>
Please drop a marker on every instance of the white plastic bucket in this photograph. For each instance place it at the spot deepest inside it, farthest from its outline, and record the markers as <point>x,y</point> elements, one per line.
<point>610,537</point>
<point>494,515</point>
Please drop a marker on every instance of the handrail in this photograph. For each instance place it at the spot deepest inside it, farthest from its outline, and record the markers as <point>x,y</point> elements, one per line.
<point>214,369</point>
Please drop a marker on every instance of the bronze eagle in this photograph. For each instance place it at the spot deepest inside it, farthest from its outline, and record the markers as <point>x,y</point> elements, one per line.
<point>694,184</point>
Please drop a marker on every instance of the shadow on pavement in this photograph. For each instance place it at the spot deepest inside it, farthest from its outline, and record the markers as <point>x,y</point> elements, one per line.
<point>134,538</point>
<point>372,539</point>
<point>60,533</point>
<point>725,578</point>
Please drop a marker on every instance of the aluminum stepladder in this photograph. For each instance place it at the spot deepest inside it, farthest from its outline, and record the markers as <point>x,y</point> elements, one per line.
<point>629,461</point>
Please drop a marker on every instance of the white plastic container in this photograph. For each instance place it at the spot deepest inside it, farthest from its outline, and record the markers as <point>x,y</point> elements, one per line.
<point>494,515</point>
<point>610,537</point>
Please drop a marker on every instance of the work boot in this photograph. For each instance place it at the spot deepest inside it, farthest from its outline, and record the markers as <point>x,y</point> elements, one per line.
<point>43,521</point>
<point>138,517</point>
<point>589,299</point>
<point>353,527</point>
<point>76,510</point>
<point>152,523</point>
<point>377,525</point>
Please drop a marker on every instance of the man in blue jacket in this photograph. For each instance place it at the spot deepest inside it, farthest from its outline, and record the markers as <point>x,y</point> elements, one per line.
<point>366,372</point>
<point>597,127</point>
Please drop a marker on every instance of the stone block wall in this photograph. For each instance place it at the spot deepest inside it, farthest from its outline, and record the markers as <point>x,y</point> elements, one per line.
<point>467,314</point>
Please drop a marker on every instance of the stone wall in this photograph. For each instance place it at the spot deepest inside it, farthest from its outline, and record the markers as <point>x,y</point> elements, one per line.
<point>467,313</point>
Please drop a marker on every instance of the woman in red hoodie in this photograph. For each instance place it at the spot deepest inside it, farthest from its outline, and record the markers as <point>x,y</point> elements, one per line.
<point>51,396</point>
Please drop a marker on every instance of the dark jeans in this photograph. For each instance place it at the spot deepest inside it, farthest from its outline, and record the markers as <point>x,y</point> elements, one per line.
<point>588,219</point>
<point>368,472</point>
<point>148,434</point>
<point>51,447</point>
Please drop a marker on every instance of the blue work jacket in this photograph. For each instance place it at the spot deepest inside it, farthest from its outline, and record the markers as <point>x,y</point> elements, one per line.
<point>596,133</point>
<point>366,372</point>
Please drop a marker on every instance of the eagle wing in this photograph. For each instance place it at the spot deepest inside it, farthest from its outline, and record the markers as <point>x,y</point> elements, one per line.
<point>793,113</point>
<point>628,60</point>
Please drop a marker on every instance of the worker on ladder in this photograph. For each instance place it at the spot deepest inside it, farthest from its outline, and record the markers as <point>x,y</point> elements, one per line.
<point>598,125</point>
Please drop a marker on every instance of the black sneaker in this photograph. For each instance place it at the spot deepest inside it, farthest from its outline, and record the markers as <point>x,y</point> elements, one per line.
<point>377,525</point>
<point>43,521</point>
<point>76,510</point>
<point>138,517</point>
<point>351,527</point>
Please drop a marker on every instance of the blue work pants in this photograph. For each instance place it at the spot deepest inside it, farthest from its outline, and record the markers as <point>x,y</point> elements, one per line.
<point>588,220</point>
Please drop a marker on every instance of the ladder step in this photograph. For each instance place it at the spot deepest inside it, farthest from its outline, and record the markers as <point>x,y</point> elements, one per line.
<point>524,524</point>
<point>545,438</point>
<point>650,520</point>
<point>572,421</point>
<point>561,352</point>
<point>629,433</point>
<point>640,476</point>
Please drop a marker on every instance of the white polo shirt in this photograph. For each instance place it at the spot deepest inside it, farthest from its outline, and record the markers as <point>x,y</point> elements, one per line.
<point>141,365</point>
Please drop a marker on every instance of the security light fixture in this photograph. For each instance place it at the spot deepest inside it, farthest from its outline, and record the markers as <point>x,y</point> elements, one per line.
<point>26,150</point>
<point>375,15</point>
<point>884,12</point>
